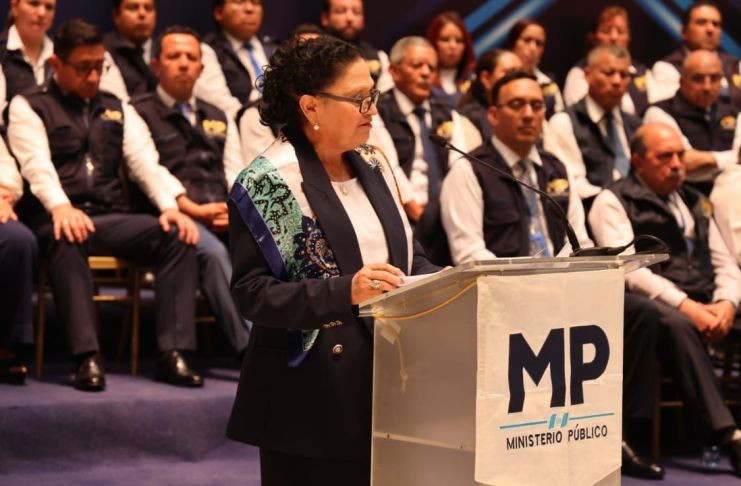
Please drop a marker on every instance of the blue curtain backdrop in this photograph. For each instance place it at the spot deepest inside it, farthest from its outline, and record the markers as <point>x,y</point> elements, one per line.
<point>655,23</point>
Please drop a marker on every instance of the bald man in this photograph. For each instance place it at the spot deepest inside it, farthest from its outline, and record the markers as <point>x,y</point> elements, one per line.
<point>709,126</point>
<point>697,291</point>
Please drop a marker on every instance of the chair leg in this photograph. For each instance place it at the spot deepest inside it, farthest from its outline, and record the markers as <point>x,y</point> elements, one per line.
<point>135,297</point>
<point>40,320</point>
<point>656,436</point>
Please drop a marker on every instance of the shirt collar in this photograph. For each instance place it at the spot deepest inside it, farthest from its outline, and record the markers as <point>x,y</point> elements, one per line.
<point>405,104</point>
<point>170,102</point>
<point>16,44</point>
<point>510,157</point>
<point>597,113</point>
<point>238,44</point>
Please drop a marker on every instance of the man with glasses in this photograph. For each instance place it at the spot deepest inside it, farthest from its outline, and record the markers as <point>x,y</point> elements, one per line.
<point>591,136</point>
<point>73,144</point>
<point>129,49</point>
<point>345,19</point>
<point>702,27</point>
<point>234,56</point>
<point>486,216</point>
<point>696,292</point>
<point>200,146</point>
<point>709,125</point>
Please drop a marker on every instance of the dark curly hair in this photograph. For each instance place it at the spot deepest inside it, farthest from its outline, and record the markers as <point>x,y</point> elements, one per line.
<point>300,67</point>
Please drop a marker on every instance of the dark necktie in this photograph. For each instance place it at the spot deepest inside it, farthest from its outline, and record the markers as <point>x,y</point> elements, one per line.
<point>141,65</point>
<point>434,176</point>
<point>622,164</point>
<point>538,244</point>
<point>185,110</point>
<point>255,64</point>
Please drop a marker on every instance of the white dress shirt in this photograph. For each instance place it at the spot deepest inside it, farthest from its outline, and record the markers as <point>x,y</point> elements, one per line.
<point>385,82</point>
<point>112,80</point>
<point>576,87</point>
<point>462,208</point>
<point>10,178</point>
<point>418,174</point>
<point>723,159</point>
<point>234,161</point>
<point>211,85</point>
<point>28,141</point>
<point>561,141</point>
<point>611,227</point>
<point>39,70</point>
<point>727,208</point>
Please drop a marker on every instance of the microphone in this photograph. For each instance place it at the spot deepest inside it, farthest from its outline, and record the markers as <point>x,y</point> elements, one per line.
<point>570,233</point>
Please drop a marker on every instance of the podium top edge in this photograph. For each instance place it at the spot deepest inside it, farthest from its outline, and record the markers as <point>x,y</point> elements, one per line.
<point>472,269</point>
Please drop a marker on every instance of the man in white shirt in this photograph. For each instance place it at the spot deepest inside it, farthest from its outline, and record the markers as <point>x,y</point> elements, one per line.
<point>72,142</point>
<point>234,56</point>
<point>129,49</point>
<point>199,145</point>
<point>709,125</point>
<point>697,291</point>
<point>702,27</point>
<point>591,136</point>
<point>486,216</point>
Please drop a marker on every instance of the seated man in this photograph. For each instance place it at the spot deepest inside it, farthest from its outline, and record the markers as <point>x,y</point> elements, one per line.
<point>73,142</point>
<point>702,27</point>
<point>345,19</point>
<point>487,216</point>
<point>129,49</point>
<point>591,137</point>
<point>709,126</point>
<point>727,208</point>
<point>17,266</point>
<point>199,146</point>
<point>697,291</point>
<point>234,56</point>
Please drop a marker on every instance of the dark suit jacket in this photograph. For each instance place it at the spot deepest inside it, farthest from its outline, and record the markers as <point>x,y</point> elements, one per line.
<point>321,408</point>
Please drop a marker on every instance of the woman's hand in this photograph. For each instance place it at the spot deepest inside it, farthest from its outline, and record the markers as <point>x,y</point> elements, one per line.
<point>372,280</point>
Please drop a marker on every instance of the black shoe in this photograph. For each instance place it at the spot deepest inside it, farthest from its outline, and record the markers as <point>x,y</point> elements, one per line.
<point>172,368</point>
<point>89,375</point>
<point>635,466</point>
<point>733,448</point>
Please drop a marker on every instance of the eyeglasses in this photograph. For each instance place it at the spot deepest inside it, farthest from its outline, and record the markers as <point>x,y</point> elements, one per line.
<point>364,104</point>
<point>519,104</point>
<point>242,2</point>
<point>84,69</point>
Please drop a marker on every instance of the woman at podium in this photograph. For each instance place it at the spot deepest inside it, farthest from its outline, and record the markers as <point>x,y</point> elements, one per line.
<point>316,227</point>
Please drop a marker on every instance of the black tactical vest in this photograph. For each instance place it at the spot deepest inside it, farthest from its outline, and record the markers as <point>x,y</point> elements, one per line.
<point>136,74</point>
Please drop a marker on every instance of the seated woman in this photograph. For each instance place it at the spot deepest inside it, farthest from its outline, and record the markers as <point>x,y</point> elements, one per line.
<point>455,57</point>
<point>316,227</point>
<point>612,27</point>
<point>492,65</point>
<point>527,40</point>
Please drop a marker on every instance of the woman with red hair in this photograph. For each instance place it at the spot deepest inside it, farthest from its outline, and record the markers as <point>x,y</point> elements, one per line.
<point>456,59</point>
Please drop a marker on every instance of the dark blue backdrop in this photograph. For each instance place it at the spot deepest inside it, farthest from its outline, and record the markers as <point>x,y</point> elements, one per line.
<point>655,22</point>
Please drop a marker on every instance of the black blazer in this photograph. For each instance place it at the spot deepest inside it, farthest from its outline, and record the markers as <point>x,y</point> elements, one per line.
<point>322,408</point>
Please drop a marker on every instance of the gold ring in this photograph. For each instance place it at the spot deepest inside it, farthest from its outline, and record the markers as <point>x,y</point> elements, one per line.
<point>375,284</point>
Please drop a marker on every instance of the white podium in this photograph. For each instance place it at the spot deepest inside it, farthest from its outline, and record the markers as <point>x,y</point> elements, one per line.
<point>501,372</point>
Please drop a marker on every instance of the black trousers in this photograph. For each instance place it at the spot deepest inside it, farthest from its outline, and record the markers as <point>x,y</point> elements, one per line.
<point>683,351</point>
<point>18,252</point>
<point>640,345</point>
<point>279,469</point>
<point>137,237</point>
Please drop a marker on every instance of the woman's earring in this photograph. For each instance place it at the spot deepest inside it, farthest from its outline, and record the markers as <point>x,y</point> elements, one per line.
<point>315,126</point>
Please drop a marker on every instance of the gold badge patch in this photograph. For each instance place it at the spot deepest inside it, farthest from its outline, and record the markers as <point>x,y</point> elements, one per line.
<point>737,80</point>
<point>445,129</point>
<point>214,127</point>
<point>374,66</point>
<point>640,82</point>
<point>111,115</point>
<point>706,207</point>
<point>728,122</point>
<point>558,187</point>
<point>549,89</point>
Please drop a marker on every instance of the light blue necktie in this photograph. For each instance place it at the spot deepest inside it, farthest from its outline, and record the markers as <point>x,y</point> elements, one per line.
<point>184,109</point>
<point>434,178</point>
<point>538,244</point>
<point>622,164</point>
<point>255,65</point>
